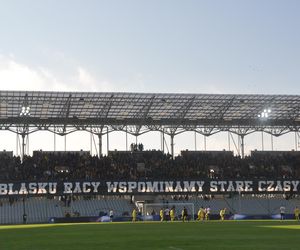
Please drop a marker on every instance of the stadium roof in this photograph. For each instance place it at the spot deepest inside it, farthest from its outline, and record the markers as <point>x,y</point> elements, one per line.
<point>65,112</point>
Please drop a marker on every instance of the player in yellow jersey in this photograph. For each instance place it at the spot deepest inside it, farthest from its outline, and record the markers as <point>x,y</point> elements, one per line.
<point>201,213</point>
<point>161,214</point>
<point>172,213</point>
<point>222,214</point>
<point>134,215</point>
<point>296,212</point>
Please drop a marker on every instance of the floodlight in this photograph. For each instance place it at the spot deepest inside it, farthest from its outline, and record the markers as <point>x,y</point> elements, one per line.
<point>265,113</point>
<point>25,111</point>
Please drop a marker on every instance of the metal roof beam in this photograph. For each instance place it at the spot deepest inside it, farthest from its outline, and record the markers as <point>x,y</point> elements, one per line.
<point>220,112</point>
<point>143,113</point>
<point>103,113</point>
<point>181,113</point>
<point>65,112</point>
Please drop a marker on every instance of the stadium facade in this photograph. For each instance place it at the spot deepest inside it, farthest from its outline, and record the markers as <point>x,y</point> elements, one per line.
<point>26,112</point>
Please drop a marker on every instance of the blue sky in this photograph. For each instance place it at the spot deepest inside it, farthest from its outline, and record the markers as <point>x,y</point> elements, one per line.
<point>194,46</point>
<point>217,46</point>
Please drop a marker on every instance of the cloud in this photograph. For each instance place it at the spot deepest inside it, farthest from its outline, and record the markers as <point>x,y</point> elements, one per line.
<point>19,76</point>
<point>89,83</point>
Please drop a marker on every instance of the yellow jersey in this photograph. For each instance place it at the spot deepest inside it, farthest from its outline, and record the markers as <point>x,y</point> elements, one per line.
<point>172,213</point>
<point>134,213</point>
<point>161,213</point>
<point>222,212</point>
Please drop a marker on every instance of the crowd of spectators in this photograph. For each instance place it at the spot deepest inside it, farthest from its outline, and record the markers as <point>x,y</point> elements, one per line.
<point>149,165</point>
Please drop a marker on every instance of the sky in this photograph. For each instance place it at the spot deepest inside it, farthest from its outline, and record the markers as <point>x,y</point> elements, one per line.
<point>171,46</point>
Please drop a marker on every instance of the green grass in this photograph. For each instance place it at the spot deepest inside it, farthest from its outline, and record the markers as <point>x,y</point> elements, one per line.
<point>190,235</point>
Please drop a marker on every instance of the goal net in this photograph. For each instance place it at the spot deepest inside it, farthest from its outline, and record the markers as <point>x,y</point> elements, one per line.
<point>154,208</point>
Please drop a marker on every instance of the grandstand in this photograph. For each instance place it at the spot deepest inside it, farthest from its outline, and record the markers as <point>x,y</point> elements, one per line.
<point>85,185</point>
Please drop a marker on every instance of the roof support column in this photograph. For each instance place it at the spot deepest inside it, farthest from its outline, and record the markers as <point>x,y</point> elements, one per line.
<point>172,145</point>
<point>262,141</point>
<point>24,134</point>
<point>65,137</point>
<point>107,139</point>
<point>163,141</point>
<point>91,143</point>
<point>126,133</point>
<point>272,143</point>
<point>54,139</point>
<point>296,141</point>
<point>229,147</point>
<point>100,144</point>
<point>242,146</point>
<point>23,147</point>
<point>17,144</point>
<point>195,138</point>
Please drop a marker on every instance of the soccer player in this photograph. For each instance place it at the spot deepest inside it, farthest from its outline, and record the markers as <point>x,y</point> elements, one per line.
<point>161,214</point>
<point>172,213</point>
<point>167,214</point>
<point>111,215</point>
<point>24,218</point>
<point>222,214</point>
<point>134,215</point>
<point>184,214</point>
<point>207,213</point>
<point>282,212</point>
<point>296,212</point>
<point>201,213</point>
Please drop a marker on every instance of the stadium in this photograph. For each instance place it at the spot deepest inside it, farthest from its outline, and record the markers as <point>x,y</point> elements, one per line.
<point>122,194</point>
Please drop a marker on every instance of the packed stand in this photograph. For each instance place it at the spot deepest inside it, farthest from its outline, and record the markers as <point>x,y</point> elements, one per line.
<point>149,165</point>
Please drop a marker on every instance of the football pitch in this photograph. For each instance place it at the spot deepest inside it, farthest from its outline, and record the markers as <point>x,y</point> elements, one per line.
<point>156,235</point>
